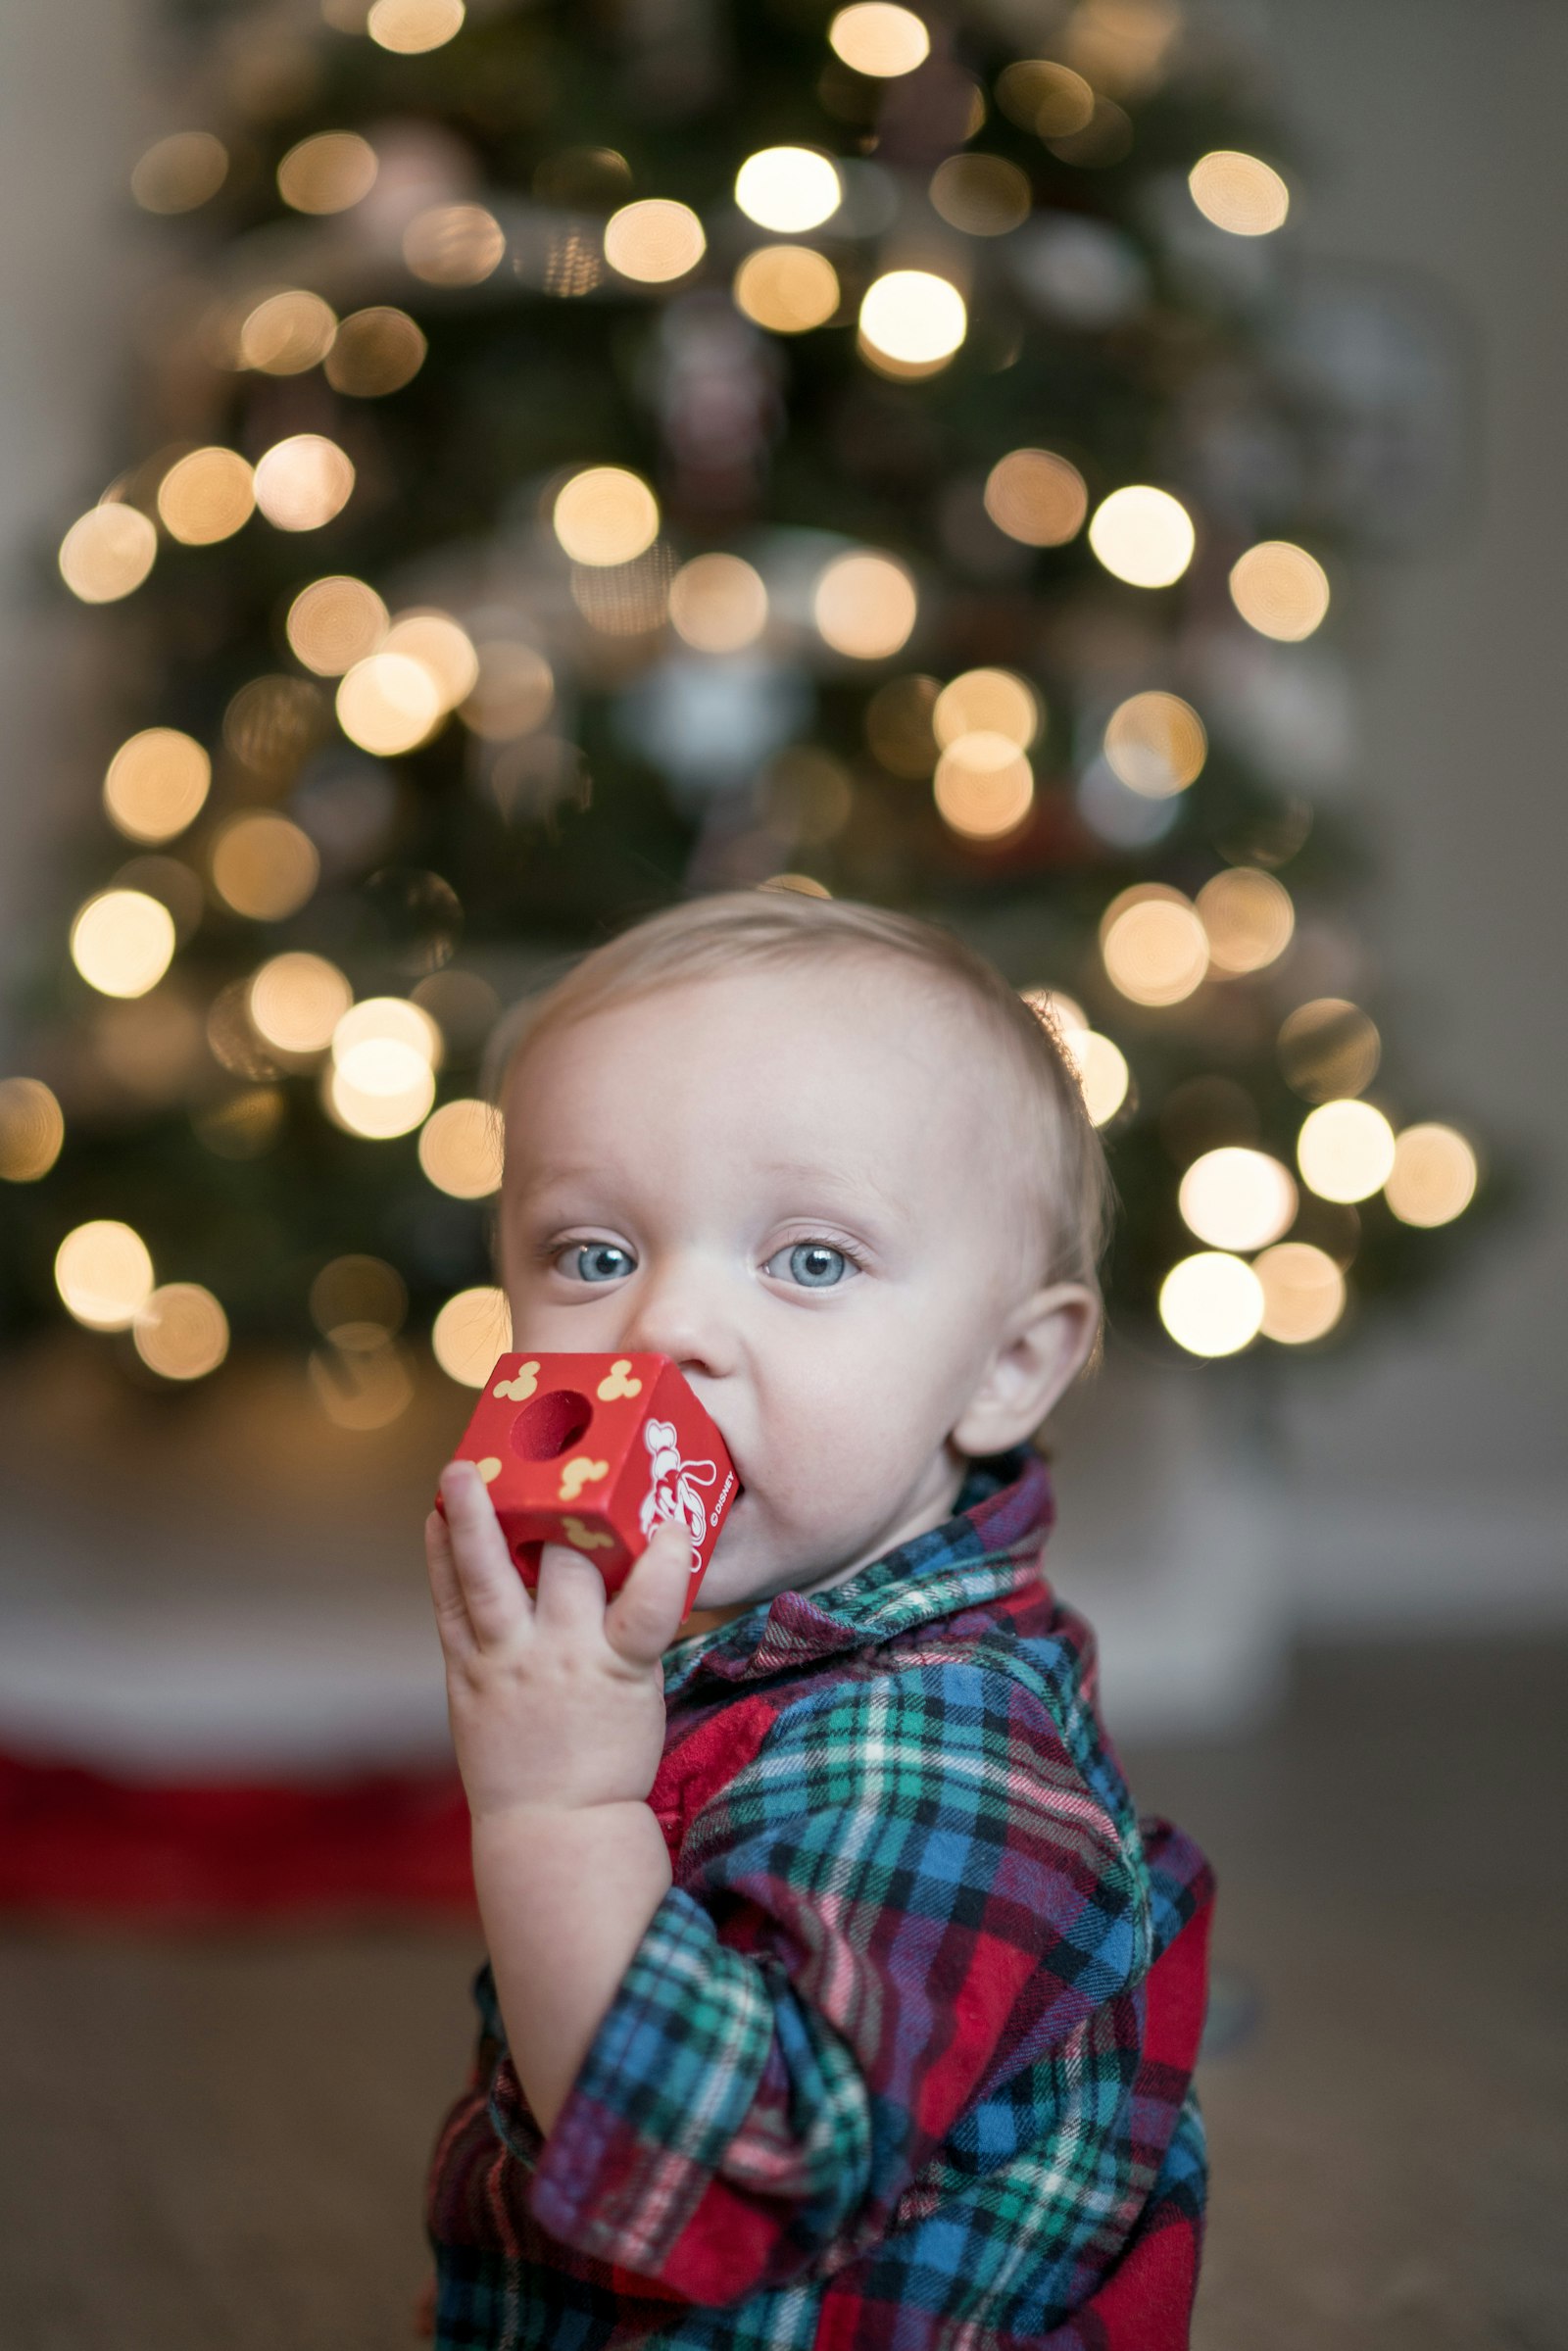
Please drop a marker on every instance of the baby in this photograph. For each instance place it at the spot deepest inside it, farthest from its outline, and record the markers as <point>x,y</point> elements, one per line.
<point>836,1995</point>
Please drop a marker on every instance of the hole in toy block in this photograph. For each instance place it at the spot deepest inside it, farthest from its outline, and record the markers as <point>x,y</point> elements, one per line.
<point>550,1423</point>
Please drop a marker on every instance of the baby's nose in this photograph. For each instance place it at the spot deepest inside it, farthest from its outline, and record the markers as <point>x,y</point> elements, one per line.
<point>681,1310</point>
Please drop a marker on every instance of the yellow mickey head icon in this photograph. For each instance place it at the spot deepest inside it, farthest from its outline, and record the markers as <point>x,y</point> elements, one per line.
<point>579,1472</point>
<point>489,1468</point>
<point>527,1381</point>
<point>586,1539</point>
<point>618,1380</point>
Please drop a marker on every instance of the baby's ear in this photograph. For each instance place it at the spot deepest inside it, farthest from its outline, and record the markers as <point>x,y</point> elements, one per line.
<point>1043,1346</point>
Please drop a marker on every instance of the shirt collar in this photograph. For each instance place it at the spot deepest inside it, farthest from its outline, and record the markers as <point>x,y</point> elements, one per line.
<point>990,1547</point>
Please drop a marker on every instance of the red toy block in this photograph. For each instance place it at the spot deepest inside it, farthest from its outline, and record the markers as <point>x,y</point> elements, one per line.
<point>595,1451</point>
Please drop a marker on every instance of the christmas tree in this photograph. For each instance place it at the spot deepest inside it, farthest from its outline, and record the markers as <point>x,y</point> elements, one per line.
<point>574,458</point>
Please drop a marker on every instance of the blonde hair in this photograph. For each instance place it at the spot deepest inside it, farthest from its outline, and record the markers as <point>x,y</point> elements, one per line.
<point>738,930</point>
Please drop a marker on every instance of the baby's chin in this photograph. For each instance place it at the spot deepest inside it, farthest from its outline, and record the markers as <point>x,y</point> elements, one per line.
<point>754,1561</point>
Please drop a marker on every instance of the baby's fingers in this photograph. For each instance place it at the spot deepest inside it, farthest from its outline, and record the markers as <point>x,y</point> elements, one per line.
<point>645,1615</point>
<point>492,1591</point>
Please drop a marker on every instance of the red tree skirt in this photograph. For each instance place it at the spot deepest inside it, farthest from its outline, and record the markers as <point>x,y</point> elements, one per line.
<point>80,1843</point>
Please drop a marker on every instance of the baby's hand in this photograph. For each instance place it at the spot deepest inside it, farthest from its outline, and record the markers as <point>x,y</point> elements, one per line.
<point>557,1701</point>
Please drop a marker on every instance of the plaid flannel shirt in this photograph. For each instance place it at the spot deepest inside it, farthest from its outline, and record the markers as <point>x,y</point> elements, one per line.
<point>903,2059</point>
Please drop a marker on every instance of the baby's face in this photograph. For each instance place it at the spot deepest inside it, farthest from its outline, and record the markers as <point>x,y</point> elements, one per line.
<point>791,1182</point>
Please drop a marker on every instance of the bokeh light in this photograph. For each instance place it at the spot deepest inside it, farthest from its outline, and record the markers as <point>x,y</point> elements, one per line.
<point>469,1335</point>
<point>1235,1199</point>
<point>718,604</point>
<point>876,38</point>
<point>1434,1176</point>
<point>1142,536</point>
<point>123,942</point>
<point>357,1295</point>
<point>1328,1049</point>
<point>866,606</point>
<point>1239,192</point>
<point>302,482</point>
<point>181,1330</point>
<point>461,1149</point>
<point>1099,1064</point>
<point>981,194</point>
<point>410,28</point>
<point>376,351</point>
<point>104,1272</point>
<point>984,786</point>
<point>987,700</point>
<point>335,622</point>
<point>1344,1150</point>
<point>914,316</point>
<point>108,553</point>
<point>263,865</point>
<point>787,288</point>
<point>206,496</point>
<point>453,245</point>
<point>1248,917</point>
<point>388,703</point>
<point>32,1130</point>
<point>1280,590</point>
<point>296,1000</point>
<point>1154,945</point>
<point>1304,1292</point>
<point>441,646</point>
<point>156,783</point>
<point>272,723</point>
<point>1037,498</point>
<point>514,693</point>
<point>287,333</point>
<point>788,189</point>
<point>1211,1303</point>
<point>1157,744</point>
<point>327,172</point>
<point>654,240</point>
<point>178,172</point>
<point>604,515</point>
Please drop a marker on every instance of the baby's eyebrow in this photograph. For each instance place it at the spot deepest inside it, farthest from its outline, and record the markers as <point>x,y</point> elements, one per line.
<point>850,1184</point>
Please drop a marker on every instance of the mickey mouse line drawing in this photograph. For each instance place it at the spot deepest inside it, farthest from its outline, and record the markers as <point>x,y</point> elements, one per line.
<point>672,1491</point>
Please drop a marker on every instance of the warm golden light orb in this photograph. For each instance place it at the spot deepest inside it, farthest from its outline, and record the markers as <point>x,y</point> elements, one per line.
<point>1157,744</point>
<point>605,515</point>
<point>866,606</point>
<point>994,702</point>
<point>787,288</point>
<point>1235,1199</point>
<point>1434,1176</point>
<point>1047,98</point>
<point>983,785</point>
<point>1304,1292</point>
<point>263,866</point>
<point>327,172</point>
<point>470,1332</point>
<point>296,1000</point>
<point>388,703</point>
<point>156,783</point>
<point>335,622</point>
<point>1329,1047</point>
<point>382,1081</point>
<point>788,189</point>
<point>108,553</point>
<point>1344,1150</point>
<point>1248,917</point>
<point>455,245</point>
<point>441,646</point>
<point>410,28</point>
<point>1142,536</point>
<point>1280,590</point>
<point>880,40</point>
<point>980,194</point>
<point>104,1273</point>
<point>1037,498</point>
<point>461,1149</point>
<point>1239,192</point>
<point>179,172</point>
<point>181,1330</point>
<point>1154,945</point>
<point>914,316</point>
<point>1211,1304</point>
<point>206,496</point>
<point>718,604</point>
<point>287,333</point>
<point>302,482</point>
<point>654,240</point>
<point>1099,1064</point>
<point>378,351</point>
<point>123,942</point>
<point>32,1130</point>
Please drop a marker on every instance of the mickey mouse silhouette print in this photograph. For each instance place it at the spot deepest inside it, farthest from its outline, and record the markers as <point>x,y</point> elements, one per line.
<point>673,1488</point>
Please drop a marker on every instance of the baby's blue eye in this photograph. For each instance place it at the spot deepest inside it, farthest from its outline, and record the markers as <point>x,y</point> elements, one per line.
<point>816,1266</point>
<point>601,1261</point>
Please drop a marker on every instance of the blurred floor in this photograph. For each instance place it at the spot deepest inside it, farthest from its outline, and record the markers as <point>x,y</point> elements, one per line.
<point>215,2145</point>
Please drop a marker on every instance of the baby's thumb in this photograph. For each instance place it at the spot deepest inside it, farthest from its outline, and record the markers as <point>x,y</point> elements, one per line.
<point>645,1615</point>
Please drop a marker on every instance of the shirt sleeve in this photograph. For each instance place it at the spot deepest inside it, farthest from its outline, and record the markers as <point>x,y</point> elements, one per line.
<point>905,1897</point>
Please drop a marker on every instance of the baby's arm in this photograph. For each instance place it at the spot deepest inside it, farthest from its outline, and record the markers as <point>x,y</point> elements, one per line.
<point>557,1718</point>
